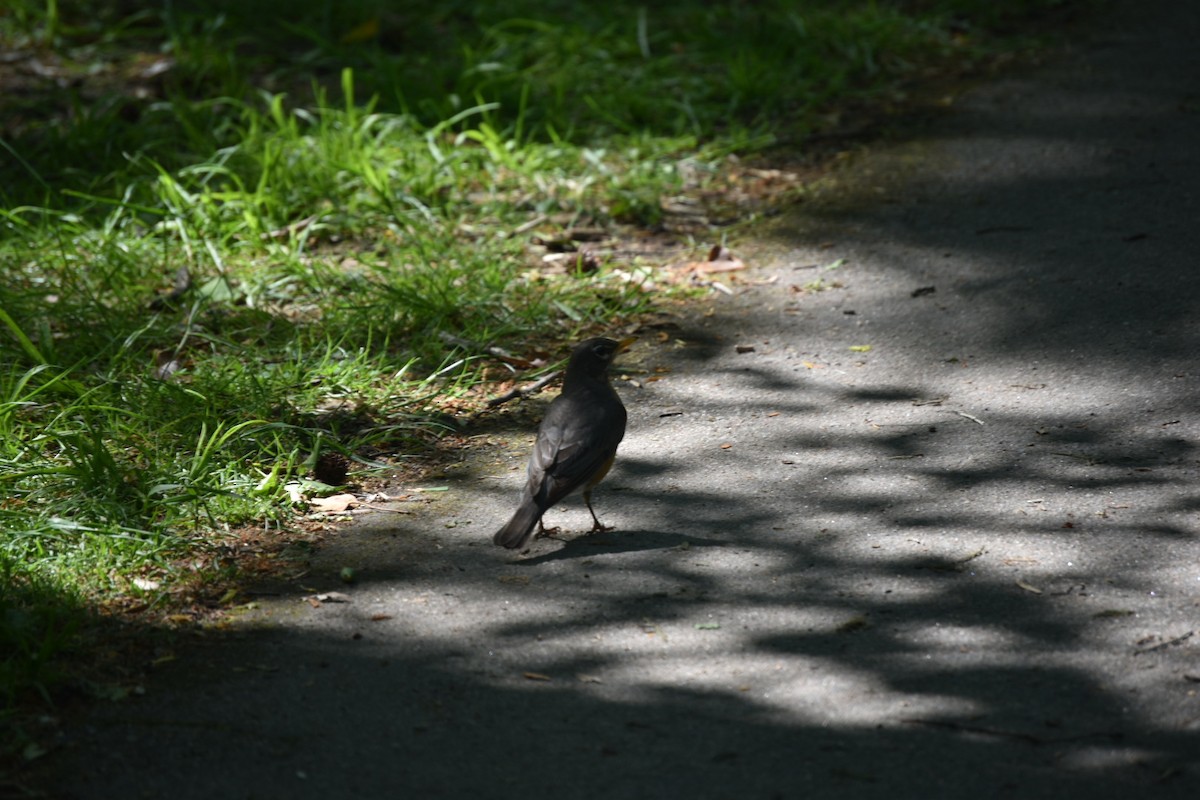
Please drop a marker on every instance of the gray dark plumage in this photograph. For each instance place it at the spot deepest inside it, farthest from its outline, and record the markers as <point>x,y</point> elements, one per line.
<point>576,442</point>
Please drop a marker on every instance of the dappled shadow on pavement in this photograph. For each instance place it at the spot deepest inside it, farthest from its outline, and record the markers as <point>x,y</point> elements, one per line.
<point>852,634</point>
<point>655,662</point>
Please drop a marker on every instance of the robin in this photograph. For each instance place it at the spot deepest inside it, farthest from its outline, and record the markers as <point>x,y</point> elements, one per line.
<point>576,443</point>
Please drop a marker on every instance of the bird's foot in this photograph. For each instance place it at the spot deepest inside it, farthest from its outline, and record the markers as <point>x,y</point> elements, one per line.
<point>546,533</point>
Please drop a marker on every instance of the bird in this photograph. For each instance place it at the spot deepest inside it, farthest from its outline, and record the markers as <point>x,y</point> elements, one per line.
<point>576,442</point>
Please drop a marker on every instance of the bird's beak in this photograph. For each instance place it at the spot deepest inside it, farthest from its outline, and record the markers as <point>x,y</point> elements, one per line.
<point>624,344</point>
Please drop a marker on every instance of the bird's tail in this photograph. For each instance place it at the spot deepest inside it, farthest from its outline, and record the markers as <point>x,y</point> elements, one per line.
<point>517,532</point>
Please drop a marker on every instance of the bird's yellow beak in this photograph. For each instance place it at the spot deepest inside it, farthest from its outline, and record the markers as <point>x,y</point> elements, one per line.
<point>624,344</point>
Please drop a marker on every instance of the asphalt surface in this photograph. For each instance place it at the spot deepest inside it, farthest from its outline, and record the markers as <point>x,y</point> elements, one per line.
<point>964,562</point>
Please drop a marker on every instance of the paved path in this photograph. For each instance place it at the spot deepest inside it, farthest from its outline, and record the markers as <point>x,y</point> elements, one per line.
<point>962,563</point>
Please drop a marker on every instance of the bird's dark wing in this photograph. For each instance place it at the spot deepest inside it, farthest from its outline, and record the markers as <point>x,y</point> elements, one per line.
<point>573,445</point>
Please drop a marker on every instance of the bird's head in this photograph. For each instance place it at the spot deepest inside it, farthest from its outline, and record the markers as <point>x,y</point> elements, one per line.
<point>593,356</point>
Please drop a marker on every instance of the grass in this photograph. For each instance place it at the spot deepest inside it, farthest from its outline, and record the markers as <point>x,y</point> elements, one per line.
<point>235,235</point>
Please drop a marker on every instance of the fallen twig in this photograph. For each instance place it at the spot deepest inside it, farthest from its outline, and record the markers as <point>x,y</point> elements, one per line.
<point>1166,644</point>
<point>1020,736</point>
<point>487,349</point>
<point>521,391</point>
<point>529,225</point>
<point>366,508</point>
<point>978,729</point>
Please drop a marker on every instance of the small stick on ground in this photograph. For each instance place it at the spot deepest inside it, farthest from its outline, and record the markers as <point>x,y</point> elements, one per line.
<point>489,349</point>
<point>1016,735</point>
<point>1166,644</point>
<point>521,391</point>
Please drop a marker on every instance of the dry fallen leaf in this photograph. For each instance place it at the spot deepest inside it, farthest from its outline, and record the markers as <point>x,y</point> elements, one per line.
<point>719,260</point>
<point>315,600</point>
<point>536,676</point>
<point>1028,587</point>
<point>333,504</point>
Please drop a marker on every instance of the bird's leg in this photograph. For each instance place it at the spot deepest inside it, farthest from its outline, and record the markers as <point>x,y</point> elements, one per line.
<point>597,525</point>
<point>544,532</point>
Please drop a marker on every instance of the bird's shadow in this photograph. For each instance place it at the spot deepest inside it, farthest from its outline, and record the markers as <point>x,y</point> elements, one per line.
<point>592,545</point>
